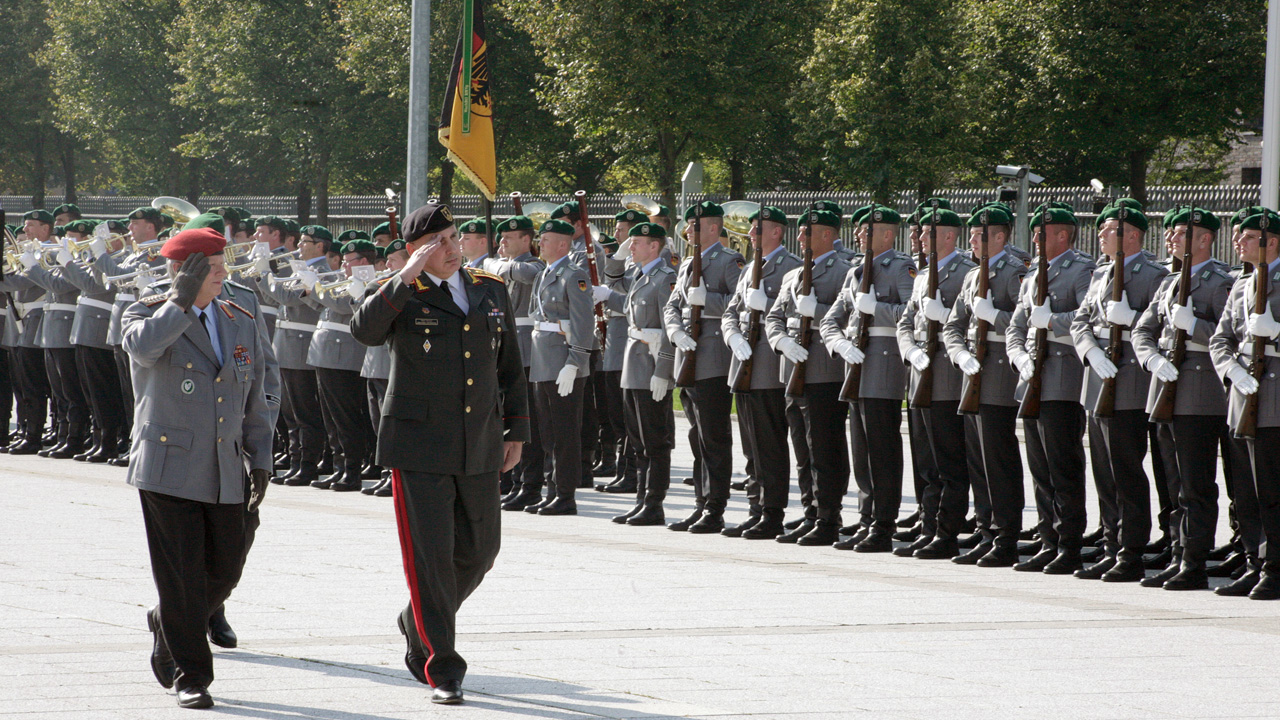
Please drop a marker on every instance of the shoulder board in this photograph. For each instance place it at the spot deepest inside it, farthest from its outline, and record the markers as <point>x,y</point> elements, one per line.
<point>385,280</point>
<point>830,261</point>
<point>419,285</point>
<point>234,305</point>
<point>153,300</point>
<point>246,288</point>
<point>477,274</point>
<point>1066,263</point>
<point>666,269</point>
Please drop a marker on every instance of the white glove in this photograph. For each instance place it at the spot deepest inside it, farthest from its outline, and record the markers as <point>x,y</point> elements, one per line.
<point>918,359</point>
<point>865,302</point>
<point>659,387</point>
<point>1241,380</point>
<point>934,309</point>
<point>1184,318</point>
<point>985,310</point>
<point>652,336</point>
<point>600,293</point>
<point>564,381</point>
<point>807,305</point>
<point>1101,364</point>
<point>697,295</point>
<point>1263,325</point>
<point>967,363</point>
<point>98,247</point>
<point>681,339</point>
<point>1119,313</point>
<point>29,260</point>
<point>356,289</point>
<point>624,251</point>
<point>1163,369</point>
<point>740,346</point>
<point>847,350</point>
<point>262,266</point>
<point>64,257</point>
<point>1041,316</point>
<point>792,351</point>
<point>309,278</point>
<point>1025,364</point>
<point>757,300</point>
<point>142,282</point>
<point>260,249</point>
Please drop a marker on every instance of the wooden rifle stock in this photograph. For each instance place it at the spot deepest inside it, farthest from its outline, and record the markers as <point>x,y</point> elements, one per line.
<point>1167,394</point>
<point>1029,408</point>
<point>517,203</point>
<point>852,386</point>
<point>686,368</point>
<point>971,390</point>
<point>741,380</point>
<point>589,243</point>
<point>923,396</point>
<point>1247,426</point>
<point>1105,406</point>
<point>795,382</point>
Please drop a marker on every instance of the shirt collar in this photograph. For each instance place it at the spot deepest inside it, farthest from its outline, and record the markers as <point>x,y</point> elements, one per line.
<point>823,256</point>
<point>776,250</point>
<point>997,256</point>
<point>453,279</point>
<point>1196,268</point>
<point>714,245</point>
<point>317,259</point>
<point>651,265</point>
<point>947,259</point>
<point>557,263</point>
<point>886,252</point>
<point>1130,258</point>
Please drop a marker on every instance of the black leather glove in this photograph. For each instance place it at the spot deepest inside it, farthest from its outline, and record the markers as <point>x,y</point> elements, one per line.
<point>258,479</point>
<point>190,278</point>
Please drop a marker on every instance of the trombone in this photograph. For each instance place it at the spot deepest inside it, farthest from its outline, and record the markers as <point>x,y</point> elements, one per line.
<point>249,269</point>
<point>119,280</point>
<point>323,289</point>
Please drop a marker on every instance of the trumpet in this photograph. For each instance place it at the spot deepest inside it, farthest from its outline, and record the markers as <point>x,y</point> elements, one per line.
<point>292,281</point>
<point>249,269</point>
<point>120,280</point>
<point>346,283</point>
<point>235,251</point>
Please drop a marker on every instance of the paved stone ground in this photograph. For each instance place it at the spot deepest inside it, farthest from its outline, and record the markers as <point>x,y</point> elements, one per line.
<point>582,618</point>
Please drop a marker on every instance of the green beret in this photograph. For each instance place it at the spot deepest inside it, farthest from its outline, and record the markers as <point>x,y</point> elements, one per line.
<point>1053,216</point>
<point>1126,214</point>
<point>383,229</point>
<point>631,216</point>
<point>565,209</point>
<point>649,230</point>
<point>167,220</point>
<point>1167,221</point>
<point>291,227</point>
<point>820,217</point>
<point>396,246</point>
<point>608,242</point>
<point>1199,216</point>
<point>925,206</point>
<point>476,225</point>
<point>349,236</point>
<point>60,230</point>
<point>1268,218</point>
<point>1053,204</point>
<point>358,244</point>
<point>942,217</point>
<point>515,222</point>
<point>207,220</point>
<point>67,208</point>
<point>556,226</point>
<point>663,211</point>
<point>81,226</point>
<point>319,232</point>
<point>274,221</point>
<point>381,251</point>
<point>1245,212</point>
<point>881,214</point>
<point>827,205</point>
<point>706,209</point>
<point>15,229</point>
<point>119,227</point>
<point>996,214</point>
<point>770,213</point>
<point>856,217</point>
<point>43,216</point>
<point>1129,203</point>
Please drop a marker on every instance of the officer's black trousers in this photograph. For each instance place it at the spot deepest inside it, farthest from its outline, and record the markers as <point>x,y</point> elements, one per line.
<point>450,531</point>
<point>824,418</point>
<point>343,392</point>
<point>882,425</point>
<point>1055,452</point>
<point>1125,435</point>
<point>804,465</point>
<point>1164,473</point>
<point>125,376</point>
<point>558,416</point>
<point>711,400</point>
<point>765,424</point>
<point>923,467</point>
<point>651,434</point>
<point>97,370</point>
<point>1195,517</point>
<point>197,554</point>
<point>1003,465</point>
<point>977,474</point>
<point>31,384</point>
<point>946,497</point>
<point>861,464</point>
<point>68,393</point>
<point>303,416</point>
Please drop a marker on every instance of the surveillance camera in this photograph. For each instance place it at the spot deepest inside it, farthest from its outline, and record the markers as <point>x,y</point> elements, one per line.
<point>1010,171</point>
<point>1097,186</point>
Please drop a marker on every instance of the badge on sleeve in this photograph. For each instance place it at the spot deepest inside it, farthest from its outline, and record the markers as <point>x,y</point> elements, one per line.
<point>241,356</point>
<point>582,285</point>
<point>188,387</point>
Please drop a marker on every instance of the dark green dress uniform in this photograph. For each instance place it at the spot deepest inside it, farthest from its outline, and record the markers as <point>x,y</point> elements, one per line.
<point>456,392</point>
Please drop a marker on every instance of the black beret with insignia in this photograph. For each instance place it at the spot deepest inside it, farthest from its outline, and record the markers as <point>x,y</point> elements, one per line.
<point>426,220</point>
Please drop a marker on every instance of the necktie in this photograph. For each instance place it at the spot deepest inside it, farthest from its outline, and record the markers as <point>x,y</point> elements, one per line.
<point>205,319</point>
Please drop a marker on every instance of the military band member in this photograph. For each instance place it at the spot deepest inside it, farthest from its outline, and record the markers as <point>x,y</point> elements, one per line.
<point>710,398</point>
<point>945,499</point>
<point>764,412</point>
<point>1200,410</point>
<point>30,379</point>
<point>454,419</point>
<point>66,213</point>
<point>1125,433</point>
<point>879,406</point>
<point>823,411</point>
<point>997,410</point>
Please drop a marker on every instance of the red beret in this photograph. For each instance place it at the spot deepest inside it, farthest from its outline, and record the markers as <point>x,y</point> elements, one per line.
<point>196,240</point>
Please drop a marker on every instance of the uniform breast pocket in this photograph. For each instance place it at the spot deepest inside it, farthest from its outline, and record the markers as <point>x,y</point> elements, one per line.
<point>164,452</point>
<point>194,379</point>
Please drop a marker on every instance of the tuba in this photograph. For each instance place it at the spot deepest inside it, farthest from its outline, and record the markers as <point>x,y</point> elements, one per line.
<point>180,210</point>
<point>737,222</point>
<point>640,203</point>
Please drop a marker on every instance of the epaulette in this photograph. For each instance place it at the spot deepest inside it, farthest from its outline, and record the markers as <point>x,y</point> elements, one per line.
<point>477,273</point>
<point>246,288</point>
<point>234,305</point>
<point>154,300</point>
<point>667,269</point>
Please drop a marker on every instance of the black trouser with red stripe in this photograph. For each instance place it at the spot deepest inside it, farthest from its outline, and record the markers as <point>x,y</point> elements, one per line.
<point>450,532</point>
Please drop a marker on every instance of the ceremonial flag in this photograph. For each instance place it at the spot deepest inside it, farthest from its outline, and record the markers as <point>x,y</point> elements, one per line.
<point>466,123</point>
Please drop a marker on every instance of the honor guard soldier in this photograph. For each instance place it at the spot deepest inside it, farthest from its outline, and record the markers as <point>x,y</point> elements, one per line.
<point>647,366</point>
<point>201,421</point>
<point>453,420</point>
<point>945,499</point>
<point>377,360</point>
<point>709,397</point>
<point>997,409</point>
<point>519,268</point>
<point>474,242</point>
<point>1124,433</point>
<point>880,394</point>
<point>763,410</point>
<point>846,253</point>
<point>1199,412</point>
<point>822,410</point>
<point>1055,439</point>
<point>563,332</point>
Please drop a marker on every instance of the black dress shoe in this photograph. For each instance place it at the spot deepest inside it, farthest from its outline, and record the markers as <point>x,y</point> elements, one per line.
<point>1092,555</point>
<point>1268,588</point>
<point>822,534</point>
<point>911,534</point>
<point>448,692</point>
<point>627,486</point>
<point>560,506</point>
<point>1067,562</point>
<point>850,529</point>
<point>196,697</point>
<point>1096,570</point>
<point>1157,547</point>
<point>371,472</point>
<point>26,447</point>
<point>623,518</point>
<point>688,481</point>
<point>710,523</point>
<point>119,461</point>
<point>1160,578</point>
<point>603,470</point>
<point>416,663</point>
<point>1228,566</point>
<point>999,556</point>
<point>738,485</point>
<point>975,554</point>
<point>350,481</point>
<point>162,664</point>
<point>103,455</point>
<point>1221,552</point>
<point>44,452</point>
<point>875,542</point>
<point>67,451</point>
<point>970,541</point>
<point>1191,577</point>
<point>277,479</point>
<point>1037,562</point>
<point>791,536</point>
<point>1125,570</point>
<point>685,524</point>
<point>535,507</point>
<point>910,520</point>
<point>220,632</point>
<point>369,490</point>
<point>1028,534</point>
<point>301,479</point>
<point>1159,561</point>
<point>793,524</point>
<point>766,529</point>
<point>940,548</point>
<point>384,490</point>
<point>910,550</point>
<point>523,499</point>
<point>745,525</point>
<point>1093,538</point>
<point>648,516</point>
<point>84,456</point>
<point>326,482</point>
<point>1241,587</point>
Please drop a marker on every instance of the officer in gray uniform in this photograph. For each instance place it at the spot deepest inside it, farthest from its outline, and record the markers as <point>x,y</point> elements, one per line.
<point>710,399</point>
<point>1200,409</point>
<point>821,408</point>
<point>997,409</point>
<point>563,332</point>
<point>647,365</point>
<point>764,411</point>
<point>1055,440</point>
<point>1125,433</point>
<point>946,494</point>
<point>884,377</point>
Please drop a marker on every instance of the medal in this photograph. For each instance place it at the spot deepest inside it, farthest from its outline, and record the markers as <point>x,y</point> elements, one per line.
<point>426,346</point>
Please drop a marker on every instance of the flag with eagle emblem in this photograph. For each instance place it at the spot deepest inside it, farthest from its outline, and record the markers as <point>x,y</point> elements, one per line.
<point>466,123</point>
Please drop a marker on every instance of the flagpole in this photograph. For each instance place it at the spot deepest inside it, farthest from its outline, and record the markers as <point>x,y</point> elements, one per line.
<point>488,224</point>
<point>416,191</point>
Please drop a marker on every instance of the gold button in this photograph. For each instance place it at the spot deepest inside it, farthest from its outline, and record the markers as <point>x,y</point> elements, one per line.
<point>466,354</point>
<point>219,399</point>
<point>466,327</point>
<point>470,381</point>
<point>468,408</point>
<point>217,379</point>
<point>427,331</point>
<point>219,419</point>
<point>219,439</point>
<point>188,366</point>
<point>164,438</point>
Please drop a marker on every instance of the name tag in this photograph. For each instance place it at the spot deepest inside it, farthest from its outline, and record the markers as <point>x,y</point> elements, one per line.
<point>426,321</point>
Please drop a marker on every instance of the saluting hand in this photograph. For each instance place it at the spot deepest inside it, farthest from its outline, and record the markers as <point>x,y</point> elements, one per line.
<point>418,260</point>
